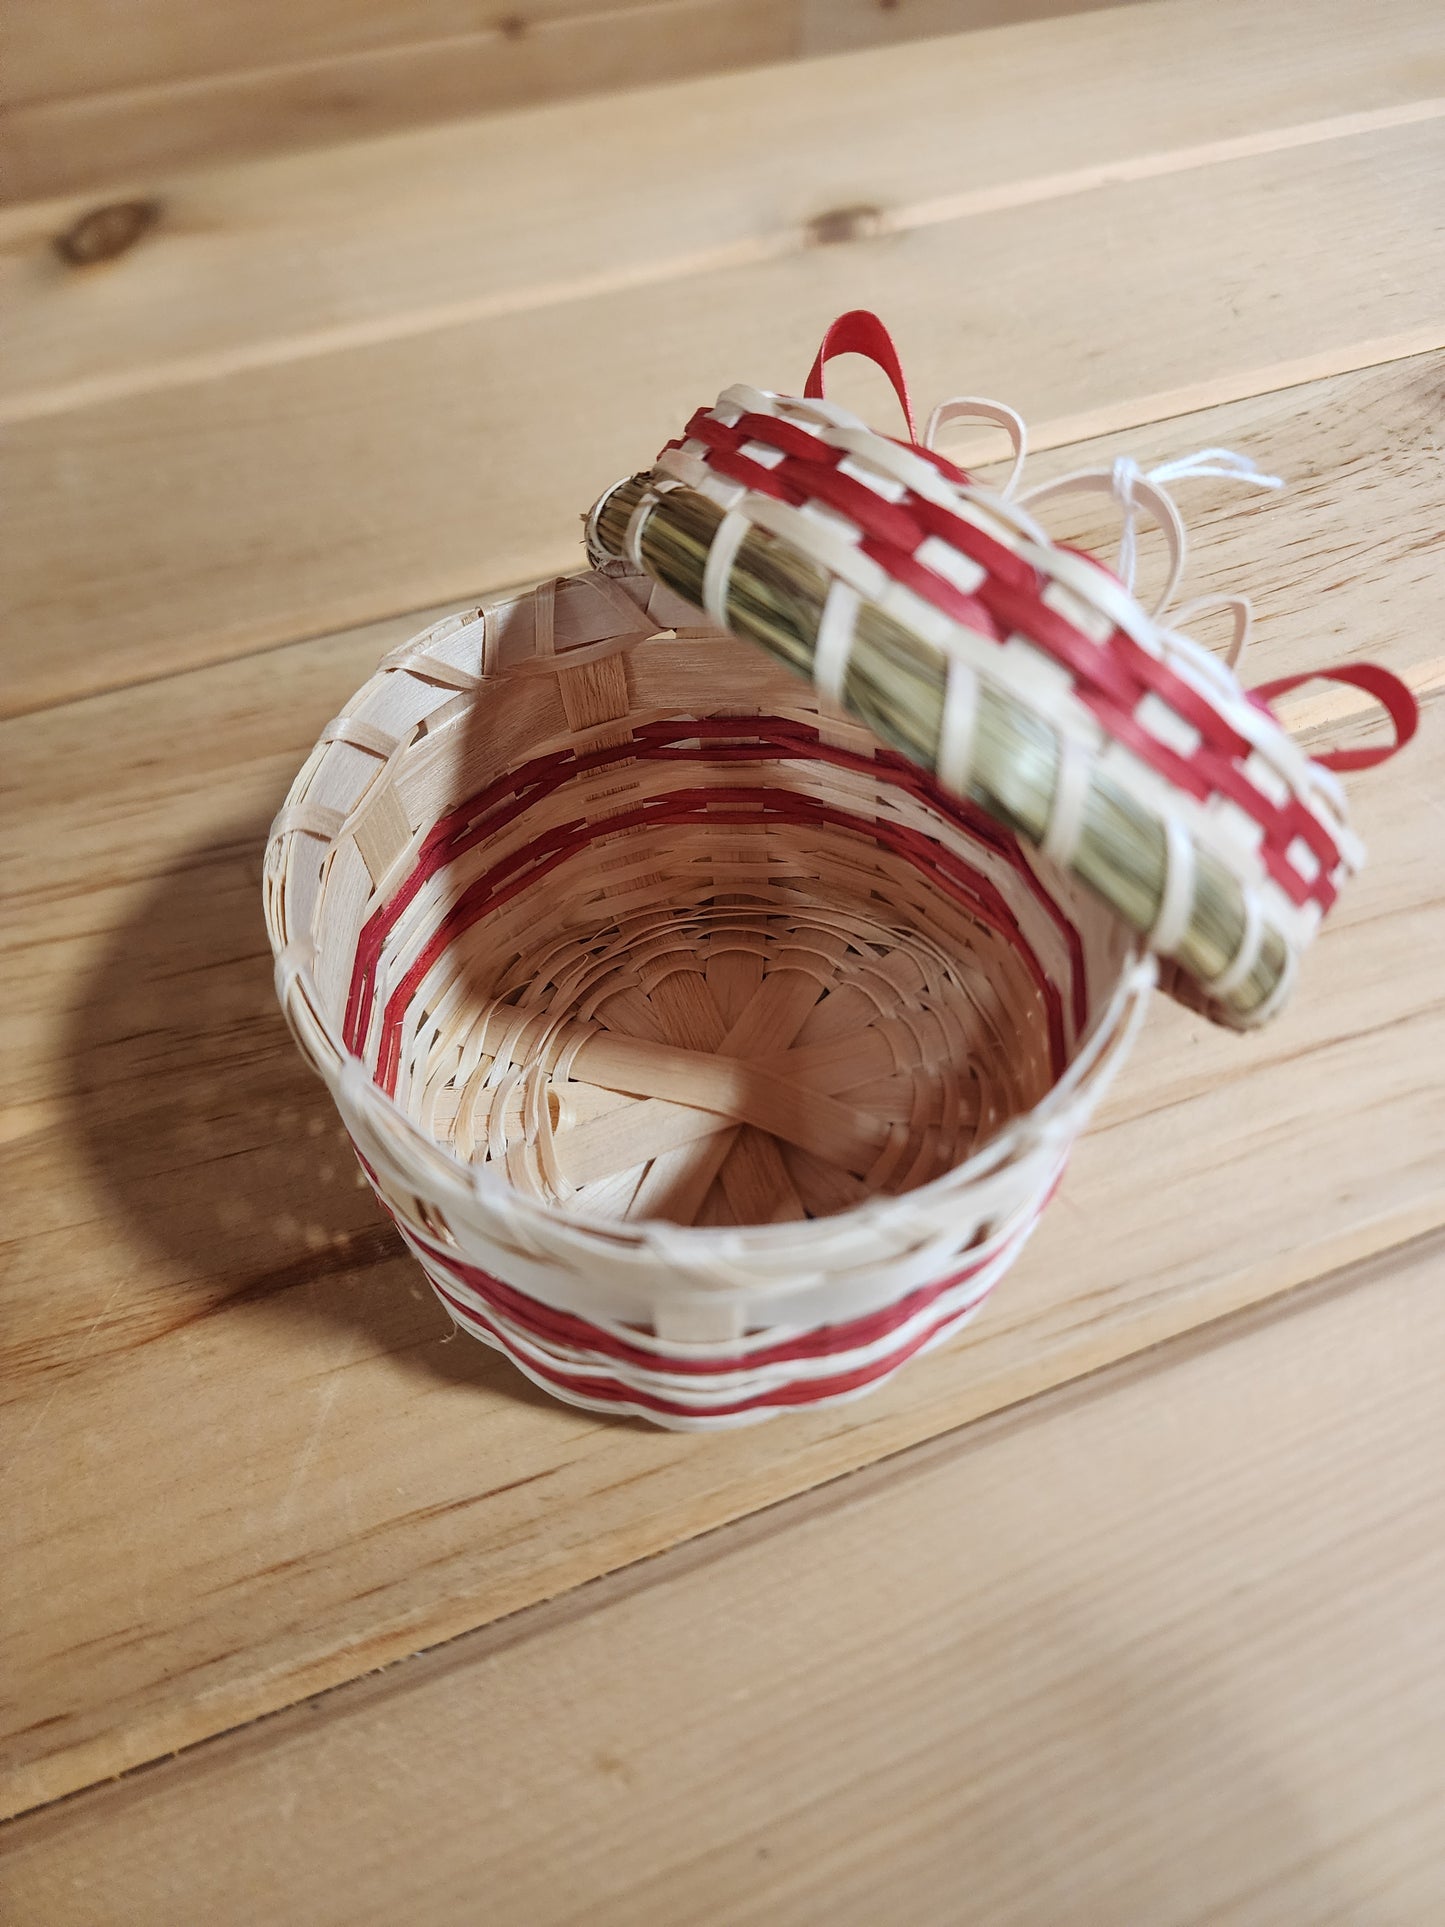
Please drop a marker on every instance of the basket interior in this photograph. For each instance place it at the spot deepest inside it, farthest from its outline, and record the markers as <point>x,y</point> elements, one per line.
<point>629,917</point>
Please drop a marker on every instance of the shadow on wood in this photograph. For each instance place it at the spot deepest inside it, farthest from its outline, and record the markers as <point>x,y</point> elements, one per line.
<point>215,1146</point>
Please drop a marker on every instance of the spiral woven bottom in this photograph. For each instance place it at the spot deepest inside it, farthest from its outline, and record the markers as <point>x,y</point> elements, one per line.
<point>756,1003</point>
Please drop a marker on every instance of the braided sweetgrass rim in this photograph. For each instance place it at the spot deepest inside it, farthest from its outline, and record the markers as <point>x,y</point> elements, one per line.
<point>896,683</point>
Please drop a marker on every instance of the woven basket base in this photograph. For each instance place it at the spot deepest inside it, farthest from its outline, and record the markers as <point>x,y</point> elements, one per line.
<point>733,1055</point>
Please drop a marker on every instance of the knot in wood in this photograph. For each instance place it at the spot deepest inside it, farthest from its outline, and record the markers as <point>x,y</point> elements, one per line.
<point>106,232</point>
<point>839,224</point>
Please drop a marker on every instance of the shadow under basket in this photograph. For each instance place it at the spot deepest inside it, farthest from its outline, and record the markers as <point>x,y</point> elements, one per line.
<point>710,1057</point>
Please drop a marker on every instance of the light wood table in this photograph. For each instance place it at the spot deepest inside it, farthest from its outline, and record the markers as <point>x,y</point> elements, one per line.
<point>1130,1605</point>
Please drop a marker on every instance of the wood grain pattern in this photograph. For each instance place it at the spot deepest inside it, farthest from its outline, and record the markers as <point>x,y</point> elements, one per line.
<point>316,1479</point>
<point>195,523</point>
<point>54,54</point>
<point>828,26</point>
<point>60,54</point>
<point>91,109</point>
<point>1089,1662</point>
<point>1173,1647</point>
<point>255,264</point>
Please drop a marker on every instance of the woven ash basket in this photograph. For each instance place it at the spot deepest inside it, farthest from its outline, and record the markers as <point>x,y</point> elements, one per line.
<point>712,1056</point>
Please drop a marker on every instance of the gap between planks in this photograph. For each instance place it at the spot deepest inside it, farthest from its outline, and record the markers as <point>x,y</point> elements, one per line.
<point>144,90</point>
<point>371,331</point>
<point>1045,437</point>
<point>840,1490</point>
<point>133,549</point>
<point>68,142</point>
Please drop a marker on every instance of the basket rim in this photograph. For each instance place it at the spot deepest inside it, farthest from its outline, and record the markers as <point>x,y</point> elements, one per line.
<point>1100,1049</point>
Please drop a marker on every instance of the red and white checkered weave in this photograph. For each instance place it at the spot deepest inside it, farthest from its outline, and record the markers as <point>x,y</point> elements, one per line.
<point>970,571</point>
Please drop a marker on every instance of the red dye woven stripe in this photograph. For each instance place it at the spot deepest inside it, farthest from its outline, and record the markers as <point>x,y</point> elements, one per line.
<point>1111,679</point>
<point>750,807</point>
<point>770,739</point>
<point>550,1326</point>
<point>613,1391</point>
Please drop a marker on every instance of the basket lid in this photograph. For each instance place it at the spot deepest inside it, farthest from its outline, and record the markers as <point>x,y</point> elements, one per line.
<point>1020,670</point>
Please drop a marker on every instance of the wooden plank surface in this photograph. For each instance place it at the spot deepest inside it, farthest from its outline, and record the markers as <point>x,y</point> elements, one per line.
<point>253,264</point>
<point>830,25</point>
<point>1164,1648</point>
<point>56,54</point>
<point>317,391</point>
<point>315,1479</point>
<point>132,551</point>
<point>92,109</point>
<point>384,450</point>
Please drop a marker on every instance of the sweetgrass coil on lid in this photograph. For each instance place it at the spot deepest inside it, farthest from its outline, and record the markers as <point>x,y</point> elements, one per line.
<point>1020,671</point>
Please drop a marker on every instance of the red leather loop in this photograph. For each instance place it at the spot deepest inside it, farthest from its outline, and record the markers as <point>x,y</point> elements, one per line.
<point>860,332</point>
<point>1393,696</point>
